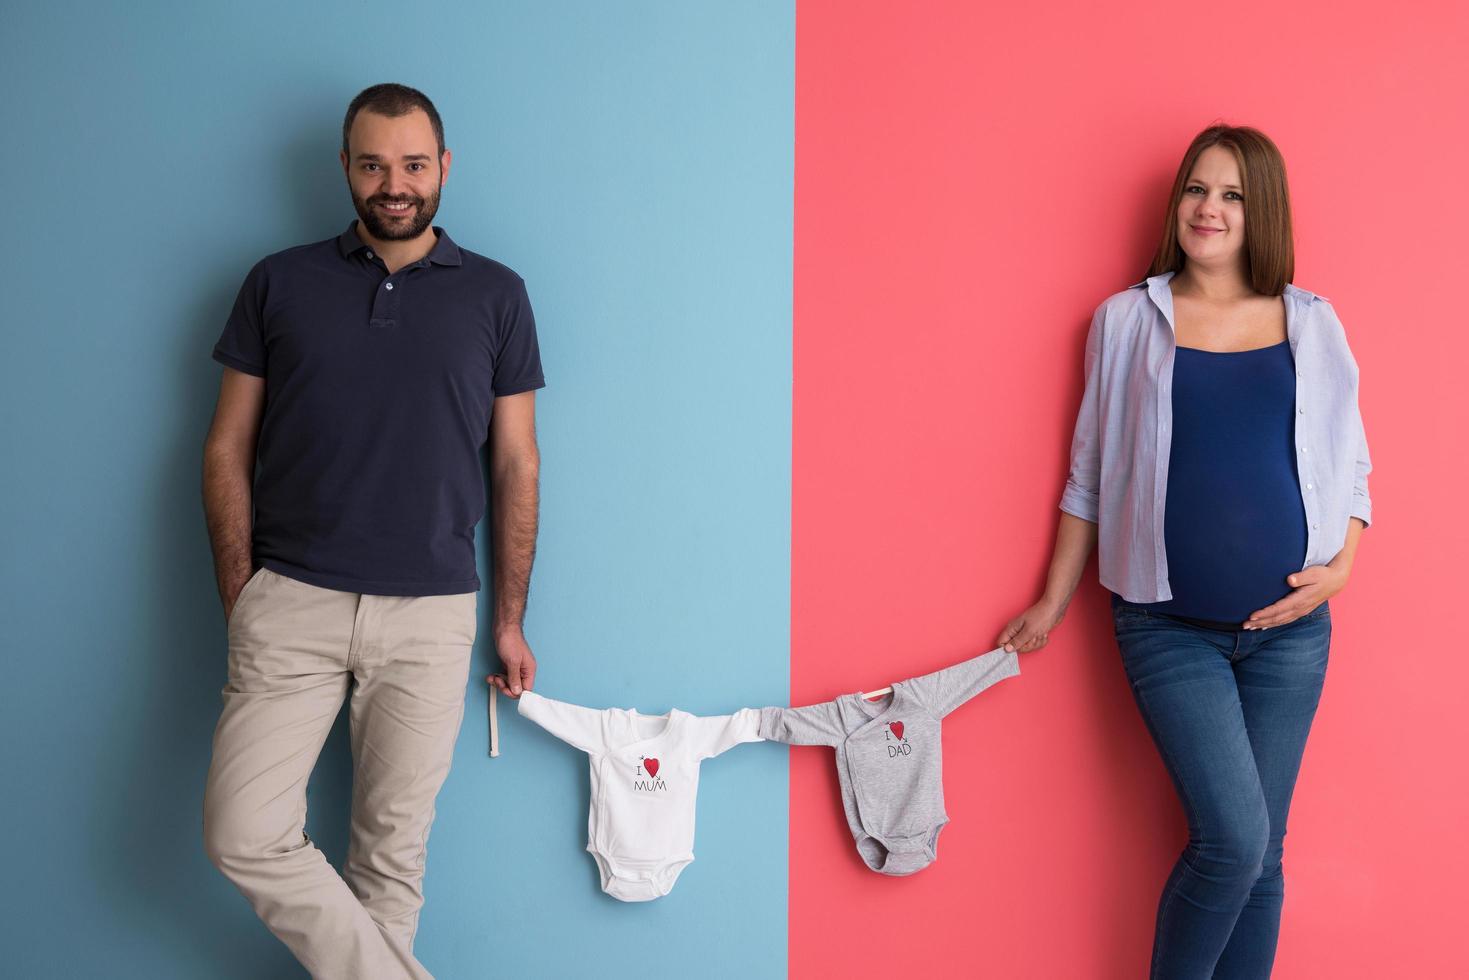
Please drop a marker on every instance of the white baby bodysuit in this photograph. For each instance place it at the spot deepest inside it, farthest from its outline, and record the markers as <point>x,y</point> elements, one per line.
<point>645,781</point>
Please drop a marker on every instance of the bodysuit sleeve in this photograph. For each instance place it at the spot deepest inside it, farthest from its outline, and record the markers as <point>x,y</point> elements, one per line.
<point>573,724</point>
<point>712,736</point>
<point>816,724</point>
<point>944,690</point>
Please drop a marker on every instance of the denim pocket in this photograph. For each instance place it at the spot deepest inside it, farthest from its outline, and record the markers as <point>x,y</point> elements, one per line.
<point>1126,614</point>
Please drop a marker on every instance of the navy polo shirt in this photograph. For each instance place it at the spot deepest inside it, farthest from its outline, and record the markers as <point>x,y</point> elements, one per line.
<point>378,395</point>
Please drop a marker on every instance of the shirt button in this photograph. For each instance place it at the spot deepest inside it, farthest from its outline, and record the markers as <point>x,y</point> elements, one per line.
<point>369,253</point>
<point>1303,449</point>
<point>390,286</point>
<point>1309,487</point>
<point>1316,527</point>
<point>1301,410</point>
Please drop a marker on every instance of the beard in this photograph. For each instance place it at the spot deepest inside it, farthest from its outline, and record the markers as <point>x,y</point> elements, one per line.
<point>389,229</point>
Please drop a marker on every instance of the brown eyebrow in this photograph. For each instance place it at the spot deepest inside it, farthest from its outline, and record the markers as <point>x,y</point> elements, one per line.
<point>1228,187</point>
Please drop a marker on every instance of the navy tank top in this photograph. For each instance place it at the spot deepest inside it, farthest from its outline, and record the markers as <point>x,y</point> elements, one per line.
<point>1234,524</point>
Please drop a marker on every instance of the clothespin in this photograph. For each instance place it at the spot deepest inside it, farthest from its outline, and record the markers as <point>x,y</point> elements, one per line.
<point>494,725</point>
<point>868,696</point>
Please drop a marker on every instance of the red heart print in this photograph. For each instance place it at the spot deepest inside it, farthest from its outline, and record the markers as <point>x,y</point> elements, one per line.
<point>897,727</point>
<point>651,765</point>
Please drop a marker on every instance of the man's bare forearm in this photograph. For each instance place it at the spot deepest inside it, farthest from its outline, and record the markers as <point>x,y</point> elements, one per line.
<point>516,510</point>
<point>228,475</point>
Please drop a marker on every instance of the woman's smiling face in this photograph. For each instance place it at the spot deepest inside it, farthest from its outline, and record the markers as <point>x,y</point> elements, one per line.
<point>1211,211</point>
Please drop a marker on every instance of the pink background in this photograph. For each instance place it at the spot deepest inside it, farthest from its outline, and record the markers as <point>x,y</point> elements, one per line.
<point>971,182</point>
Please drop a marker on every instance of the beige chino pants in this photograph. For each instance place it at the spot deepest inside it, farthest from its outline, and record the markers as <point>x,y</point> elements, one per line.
<point>293,651</point>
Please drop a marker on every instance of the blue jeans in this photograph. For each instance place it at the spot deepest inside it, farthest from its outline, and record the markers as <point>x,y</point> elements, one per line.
<point>1229,711</point>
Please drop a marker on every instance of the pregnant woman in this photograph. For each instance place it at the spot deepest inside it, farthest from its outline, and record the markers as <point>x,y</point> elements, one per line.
<point>1220,467</point>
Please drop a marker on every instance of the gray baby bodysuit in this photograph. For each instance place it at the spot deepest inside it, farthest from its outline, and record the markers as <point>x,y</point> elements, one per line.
<point>889,757</point>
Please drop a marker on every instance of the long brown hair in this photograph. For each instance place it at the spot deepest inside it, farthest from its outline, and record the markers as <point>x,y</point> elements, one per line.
<point>1270,254</point>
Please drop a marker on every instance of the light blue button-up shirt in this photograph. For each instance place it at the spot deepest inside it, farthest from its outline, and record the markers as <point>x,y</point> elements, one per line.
<point>1124,431</point>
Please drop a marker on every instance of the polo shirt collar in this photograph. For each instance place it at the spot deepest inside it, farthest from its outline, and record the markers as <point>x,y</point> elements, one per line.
<point>444,252</point>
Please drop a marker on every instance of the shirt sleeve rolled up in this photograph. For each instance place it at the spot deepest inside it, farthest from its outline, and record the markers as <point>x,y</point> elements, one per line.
<point>1082,495</point>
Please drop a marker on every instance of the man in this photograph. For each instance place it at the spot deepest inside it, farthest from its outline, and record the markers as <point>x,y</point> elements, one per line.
<point>369,370</point>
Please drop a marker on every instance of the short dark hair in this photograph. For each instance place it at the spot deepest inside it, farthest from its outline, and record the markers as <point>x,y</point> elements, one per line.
<point>392,99</point>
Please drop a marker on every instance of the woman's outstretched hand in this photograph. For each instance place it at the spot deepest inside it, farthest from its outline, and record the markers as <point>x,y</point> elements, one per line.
<point>1032,628</point>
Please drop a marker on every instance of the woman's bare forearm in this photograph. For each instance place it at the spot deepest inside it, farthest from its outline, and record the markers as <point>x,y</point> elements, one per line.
<point>1075,539</point>
<point>1348,553</point>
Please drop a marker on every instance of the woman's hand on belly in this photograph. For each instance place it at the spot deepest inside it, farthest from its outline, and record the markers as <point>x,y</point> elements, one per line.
<point>1310,587</point>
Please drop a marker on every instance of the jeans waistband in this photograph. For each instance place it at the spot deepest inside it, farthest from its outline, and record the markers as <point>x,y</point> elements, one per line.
<point>1207,624</point>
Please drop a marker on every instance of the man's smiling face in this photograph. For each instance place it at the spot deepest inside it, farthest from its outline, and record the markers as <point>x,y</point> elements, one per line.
<point>394,173</point>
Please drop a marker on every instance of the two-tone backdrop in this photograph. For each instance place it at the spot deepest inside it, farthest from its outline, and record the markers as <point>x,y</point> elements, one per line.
<point>812,282</point>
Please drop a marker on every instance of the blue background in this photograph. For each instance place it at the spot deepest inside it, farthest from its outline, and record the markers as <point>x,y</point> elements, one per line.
<point>634,163</point>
